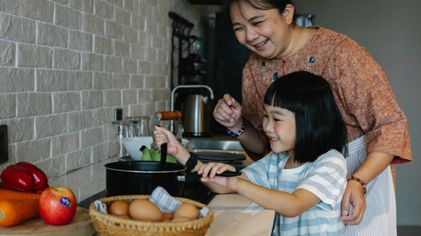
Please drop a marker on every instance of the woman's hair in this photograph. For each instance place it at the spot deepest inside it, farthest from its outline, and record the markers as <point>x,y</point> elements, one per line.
<point>258,4</point>
<point>318,121</point>
<point>263,4</point>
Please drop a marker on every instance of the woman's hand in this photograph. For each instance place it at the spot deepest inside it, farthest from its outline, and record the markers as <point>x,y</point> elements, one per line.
<point>209,171</point>
<point>354,196</point>
<point>175,148</point>
<point>228,112</point>
<point>353,203</point>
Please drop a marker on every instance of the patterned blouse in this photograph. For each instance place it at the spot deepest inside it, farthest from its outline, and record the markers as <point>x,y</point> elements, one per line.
<point>360,87</point>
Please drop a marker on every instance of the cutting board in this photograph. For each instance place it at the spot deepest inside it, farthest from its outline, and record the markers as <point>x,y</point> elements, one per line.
<point>81,226</point>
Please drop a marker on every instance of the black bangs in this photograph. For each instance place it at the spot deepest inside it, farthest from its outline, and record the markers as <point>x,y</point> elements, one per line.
<point>293,90</point>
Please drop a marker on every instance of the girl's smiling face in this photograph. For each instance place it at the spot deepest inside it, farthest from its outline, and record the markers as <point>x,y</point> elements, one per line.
<point>265,32</point>
<point>279,126</point>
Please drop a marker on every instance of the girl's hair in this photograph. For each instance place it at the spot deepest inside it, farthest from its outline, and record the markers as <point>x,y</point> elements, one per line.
<point>318,121</point>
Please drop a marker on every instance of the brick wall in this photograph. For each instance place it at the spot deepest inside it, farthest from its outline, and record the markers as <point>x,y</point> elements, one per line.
<point>66,64</point>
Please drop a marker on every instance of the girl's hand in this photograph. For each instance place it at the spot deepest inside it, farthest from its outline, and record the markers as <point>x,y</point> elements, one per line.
<point>353,203</point>
<point>209,171</point>
<point>228,112</point>
<point>175,148</point>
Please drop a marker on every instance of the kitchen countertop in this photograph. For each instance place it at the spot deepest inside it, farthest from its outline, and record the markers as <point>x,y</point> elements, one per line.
<point>238,215</point>
<point>80,225</point>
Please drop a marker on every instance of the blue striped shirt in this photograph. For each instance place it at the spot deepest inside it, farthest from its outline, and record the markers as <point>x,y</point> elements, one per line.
<point>325,178</point>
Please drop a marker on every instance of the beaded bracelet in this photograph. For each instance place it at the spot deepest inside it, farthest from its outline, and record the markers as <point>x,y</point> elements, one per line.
<point>235,135</point>
<point>359,181</point>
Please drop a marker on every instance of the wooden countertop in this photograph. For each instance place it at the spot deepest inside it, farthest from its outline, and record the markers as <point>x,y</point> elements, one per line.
<point>81,226</point>
<point>238,215</point>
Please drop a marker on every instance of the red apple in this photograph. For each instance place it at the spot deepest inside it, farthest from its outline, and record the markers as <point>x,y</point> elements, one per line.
<point>57,205</point>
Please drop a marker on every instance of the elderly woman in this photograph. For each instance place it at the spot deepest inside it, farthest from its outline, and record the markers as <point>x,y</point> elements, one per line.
<point>377,127</point>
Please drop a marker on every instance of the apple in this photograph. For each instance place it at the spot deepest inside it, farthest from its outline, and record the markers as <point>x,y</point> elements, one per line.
<point>57,205</point>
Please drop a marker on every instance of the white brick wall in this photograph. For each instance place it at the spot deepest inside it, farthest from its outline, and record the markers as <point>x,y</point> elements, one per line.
<point>66,64</point>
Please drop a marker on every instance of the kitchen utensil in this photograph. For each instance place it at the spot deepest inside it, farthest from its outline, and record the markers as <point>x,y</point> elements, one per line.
<point>167,115</point>
<point>142,177</point>
<point>194,176</point>
<point>163,156</point>
<point>170,120</point>
<point>219,156</point>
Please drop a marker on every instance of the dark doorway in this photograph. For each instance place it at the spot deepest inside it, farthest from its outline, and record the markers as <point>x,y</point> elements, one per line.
<point>229,60</point>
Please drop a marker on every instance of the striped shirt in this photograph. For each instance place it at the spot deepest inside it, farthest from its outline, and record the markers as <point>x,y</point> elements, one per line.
<point>325,178</point>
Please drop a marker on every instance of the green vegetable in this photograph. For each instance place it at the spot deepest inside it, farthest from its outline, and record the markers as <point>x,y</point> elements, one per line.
<point>152,154</point>
<point>146,155</point>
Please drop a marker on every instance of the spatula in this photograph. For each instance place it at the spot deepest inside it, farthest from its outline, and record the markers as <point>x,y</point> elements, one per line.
<point>163,156</point>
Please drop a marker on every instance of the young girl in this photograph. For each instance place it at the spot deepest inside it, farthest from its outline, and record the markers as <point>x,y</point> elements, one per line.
<point>304,177</point>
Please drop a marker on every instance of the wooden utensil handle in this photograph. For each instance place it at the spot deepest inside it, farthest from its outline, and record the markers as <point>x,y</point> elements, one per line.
<point>168,115</point>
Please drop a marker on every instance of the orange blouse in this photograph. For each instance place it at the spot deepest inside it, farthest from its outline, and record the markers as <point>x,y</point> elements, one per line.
<point>360,86</point>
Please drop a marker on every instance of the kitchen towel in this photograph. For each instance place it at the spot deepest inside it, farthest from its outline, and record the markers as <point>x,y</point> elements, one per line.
<point>168,203</point>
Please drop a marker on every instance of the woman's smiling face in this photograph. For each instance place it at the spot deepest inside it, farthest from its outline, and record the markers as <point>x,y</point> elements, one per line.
<point>265,32</point>
<point>279,126</point>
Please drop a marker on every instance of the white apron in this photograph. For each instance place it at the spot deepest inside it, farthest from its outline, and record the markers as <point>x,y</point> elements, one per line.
<point>380,215</point>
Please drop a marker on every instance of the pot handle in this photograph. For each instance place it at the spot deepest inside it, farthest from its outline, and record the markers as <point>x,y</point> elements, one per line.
<point>194,176</point>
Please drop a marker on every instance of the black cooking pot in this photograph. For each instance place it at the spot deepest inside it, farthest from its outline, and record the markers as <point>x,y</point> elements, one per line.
<point>142,177</point>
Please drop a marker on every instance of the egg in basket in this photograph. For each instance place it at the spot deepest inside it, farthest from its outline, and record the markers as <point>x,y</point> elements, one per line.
<point>139,215</point>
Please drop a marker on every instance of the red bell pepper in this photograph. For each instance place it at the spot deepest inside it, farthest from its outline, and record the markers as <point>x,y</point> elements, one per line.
<point>17,178</point>
<point>41,180</point>
<point>24,177</point>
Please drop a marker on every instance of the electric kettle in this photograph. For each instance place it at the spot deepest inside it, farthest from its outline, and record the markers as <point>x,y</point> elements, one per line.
<point>195,112</point>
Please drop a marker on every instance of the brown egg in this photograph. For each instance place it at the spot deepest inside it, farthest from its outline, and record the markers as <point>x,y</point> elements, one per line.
<point>180,219</point>
<point>186,210</point>
<point>145,210</point>
<point>119,208</point>
<point>167,215</point>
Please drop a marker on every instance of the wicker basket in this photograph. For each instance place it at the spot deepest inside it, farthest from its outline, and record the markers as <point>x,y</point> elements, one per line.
<point>106,224</point>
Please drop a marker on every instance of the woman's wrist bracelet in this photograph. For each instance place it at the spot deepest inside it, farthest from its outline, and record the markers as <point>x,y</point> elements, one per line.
<point>356,179</point>
<point>235,135</point>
